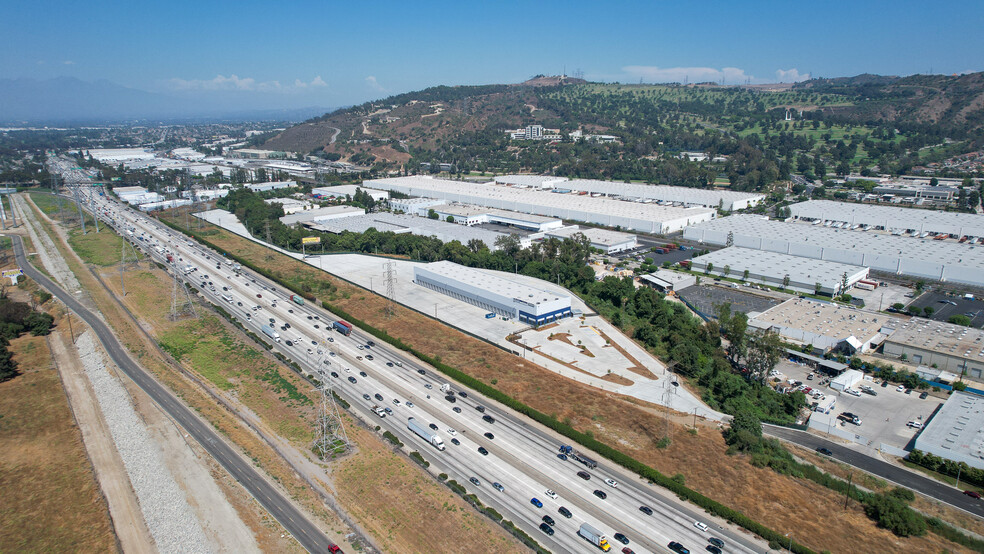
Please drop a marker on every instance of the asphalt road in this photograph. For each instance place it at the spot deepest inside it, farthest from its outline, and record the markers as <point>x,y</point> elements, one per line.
<point>885,470</point>
<point>306,532</point>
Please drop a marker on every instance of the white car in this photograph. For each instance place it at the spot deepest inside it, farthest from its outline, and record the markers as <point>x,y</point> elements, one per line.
<point>611,483</point>
<point>701,525</point>
<point>410,405</point>
<point>452,432</point>
<point>901,388</point>
<point>551,494</point>
<point>853,392</point>
<point>914,424</point>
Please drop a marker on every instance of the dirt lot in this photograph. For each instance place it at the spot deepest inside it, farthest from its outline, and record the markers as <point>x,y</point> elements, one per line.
<point>51,501</point>
<point>781,503</point>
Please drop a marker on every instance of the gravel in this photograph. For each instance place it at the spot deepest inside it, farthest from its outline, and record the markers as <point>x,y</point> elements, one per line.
<point>165,508</point>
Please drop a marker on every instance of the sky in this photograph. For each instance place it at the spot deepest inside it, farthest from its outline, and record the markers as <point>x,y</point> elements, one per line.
<point>292,54</point>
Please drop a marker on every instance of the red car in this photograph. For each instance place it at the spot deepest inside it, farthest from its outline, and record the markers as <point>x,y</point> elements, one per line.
<point>973,494</point>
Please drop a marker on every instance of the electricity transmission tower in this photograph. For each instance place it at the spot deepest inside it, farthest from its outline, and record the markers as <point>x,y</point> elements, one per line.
<point>331,437</point>
<point>128,260</point>
<point>181,303</point>
<point>390,277</point>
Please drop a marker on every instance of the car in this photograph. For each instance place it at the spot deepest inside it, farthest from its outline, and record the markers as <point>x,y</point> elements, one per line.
<point>408,404</point>
<point>701,525</point>
<point>369,357</point>
<point>547,529</point>
<point>335,375</point>
<point>870,391</point>
<point>536,502</point>
<point>309,351</point>
<point>716,542</point>
<point>316,326</point>
<point>358,357</point>
<point>450,398</point>
<point>456,410</point>
<point>549,520</point>
<point>353,380</point>
<point>475,481</point>
<point>600,494</point>
<point>914,424</point>
<point>489,436</point>
<point>825,451</point>
<point>456,442</point>
<point>853,392</point>
<point>290,311</point>
<point>562,456</point>
<point>678,548</point>
<point>973,494</point>
<point>363,373</point>
<point>287,325</point>
<point>923,395</point>
<point>900,388</point>
<point>483,451</point>
<point>621,538</point>
<point>433,426</point>
<point>551,494</point>
<point>628,550</point>
<point>451,431</point>
<point>360,347</point>
<point>497,486</point>
<point>565,512</point>
<point>428,386</point>
<point>389,364</point>
<point>584,475</point>
<point>488,419</point>
<point>366,397</point>
<point>288,343</point>
<point>314,342</point>
<point>370,343</point>
<point>463,394</point>
<point>646,510</point>
<point>422,372</point>
<point>480,408</point>
<point>712,549</point>
<point>259,296</point>
<point>309,317</point>
<point>396,401</point>
<point>379,397</point>
<point>611,483</point>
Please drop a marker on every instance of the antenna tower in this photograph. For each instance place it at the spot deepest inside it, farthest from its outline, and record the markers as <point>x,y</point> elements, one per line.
<point>390,277</point>
<point>181,303</point>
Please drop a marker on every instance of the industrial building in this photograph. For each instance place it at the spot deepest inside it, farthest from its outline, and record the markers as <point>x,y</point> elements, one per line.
<point>414,206</point>
<point>271,185</point>
<point>826,326</point>
<point>771,268</point>
<point>668,281</point>
<point>474,215</point>
<point>291,205</point>
<point>493,293</point>
<point>137,195</point>
<point>204,195</point>
<point>925,258</point>
<point>956,431</point>
<point>163,205</point>
<point>684,196</point>
<point>342,191</point>
<point>609,242</point>
<point>908,221</point>
<point>949,347</point>
<point>117,155</point>
<point>402,223</point>
<point>319,215</point>
<point>650,218</point>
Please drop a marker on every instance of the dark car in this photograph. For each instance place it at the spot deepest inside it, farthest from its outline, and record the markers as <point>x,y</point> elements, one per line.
<point>565,512</point>
<point>546,529</point>
<point>489,436</point>
<point>536,502</point>
<point>483,451</point>
<point>716,542</point>
<point>713,549</point>
<point>379,397</point>
<point>488,419</point>
<point>450,398</point>
<point>824,451</point>
<point>259,296</point>
<point>646,510</point>
<point>923,395</point>
<point>456,442</point>
<point>475,481</point>
<point>389,364</point>
<point>335,375</point>
<point>370,343</point>
<point>480,408</point>
<point>600,494</point>
<point>363,373</point>
<point>422,372</point>
<point>497,486</point>
<point>369,357</point>
<point>287,325</point>
<point>973,494</point>
<point>627,550</point>
<point>456,410</point>
<point>353,380</point>
<point>584,475</point>
<point>549,520</point>
<point>366,396</point>
<point>562,456</point>
<point>678,548</point>
<point>621,538</point>
<point>288,343</point>
<point>463,394</point>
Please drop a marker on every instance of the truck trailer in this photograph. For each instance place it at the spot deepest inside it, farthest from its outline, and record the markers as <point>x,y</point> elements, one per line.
<point>572,453</point>
<point>297,299</point>
<point>343,327</point>
<point>269,331</point>
<point>594,536</point>
<point>425,434</point>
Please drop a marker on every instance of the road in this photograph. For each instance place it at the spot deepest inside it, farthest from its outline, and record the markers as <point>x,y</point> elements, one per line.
<point>924,485</point>
<point>306,532</point>
<point>521,455</point>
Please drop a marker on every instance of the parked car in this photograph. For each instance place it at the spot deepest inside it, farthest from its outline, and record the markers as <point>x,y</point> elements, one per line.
<point>914,424</point>
<point>923,395</point>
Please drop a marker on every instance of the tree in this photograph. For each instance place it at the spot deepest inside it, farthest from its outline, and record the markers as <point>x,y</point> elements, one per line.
<point>785,281</point>
<point>709,268</point>
<point>898,306</point>
<point>959,319</point>
<point>844,282</point>
<point>764,352</point>
<point>745,432</point>
<point>817,287</point>
<point>727,270</point>
<point>450,219</point>
<point>744,275</point>
<point>39,323</point>
<point>431,214</point>
<point>8,367</point>
<point>928,310</point>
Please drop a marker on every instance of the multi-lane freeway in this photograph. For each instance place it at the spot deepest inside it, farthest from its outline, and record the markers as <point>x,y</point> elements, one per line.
<point>486,444</point>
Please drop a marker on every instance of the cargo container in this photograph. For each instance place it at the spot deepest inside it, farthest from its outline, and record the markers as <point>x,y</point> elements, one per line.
<point>343,327</point>
<point>594,536</point>
<point>297,299</point>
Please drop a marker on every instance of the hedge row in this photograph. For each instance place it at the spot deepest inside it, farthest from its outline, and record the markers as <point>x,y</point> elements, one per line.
<point>946,466</point>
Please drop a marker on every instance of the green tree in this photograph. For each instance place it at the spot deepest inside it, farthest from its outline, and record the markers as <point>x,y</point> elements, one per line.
<point>928,310</point>
<point>450,219</point>
<point>785,281</point>
<point>431,214</point>
<point>744,275</point>
<point>959,319</point>
<point>39,323</point>
<point>745,432</point>
<point>764,352</point>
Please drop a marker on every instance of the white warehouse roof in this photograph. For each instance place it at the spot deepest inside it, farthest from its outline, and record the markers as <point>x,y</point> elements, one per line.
<point>956,431</point>
<point>772,267</point>
<point>891,217</point>
<point>602,211</point>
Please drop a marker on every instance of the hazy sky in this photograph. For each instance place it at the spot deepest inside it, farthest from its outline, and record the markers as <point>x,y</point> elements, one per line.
<point>325,53</point>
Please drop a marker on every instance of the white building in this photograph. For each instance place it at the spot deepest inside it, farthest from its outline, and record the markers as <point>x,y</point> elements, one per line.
<point>290,205</point>
<point>271,185</point>
<point>907,221</point>
<point>164,204</point>
<point>321,215</point>
<point>414,206</point>
<point>950,347</point>
<point>825,325</point>
<point>665,280</point>
<point>609,242</point>
<point>956,431</point>
<point>117,155</point>
<point>493,293</point>
<point>464,214</point>
<point>341,191</point>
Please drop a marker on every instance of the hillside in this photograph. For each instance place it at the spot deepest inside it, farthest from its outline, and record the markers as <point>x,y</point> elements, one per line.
<point>867,122</point>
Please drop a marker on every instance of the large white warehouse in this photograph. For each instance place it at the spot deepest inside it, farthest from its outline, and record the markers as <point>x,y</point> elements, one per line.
<point>493,293</point>
<point>914,221</point>
<point>650,218</point>
<point>924,258</point>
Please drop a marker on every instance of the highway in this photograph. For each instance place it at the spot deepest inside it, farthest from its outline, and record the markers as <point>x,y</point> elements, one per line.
<point>295,522</point>
<point>521,455</point>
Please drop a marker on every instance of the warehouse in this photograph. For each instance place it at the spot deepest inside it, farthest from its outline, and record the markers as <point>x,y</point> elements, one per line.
<point>319,215</point>
<point>609,242</point>
<point>924,258</point>
<point>648,218</point>
<point>343,191</point>
<point>668,281</point>
<point>474,215</point>
<point>401,223</point>
<point>291,205</point>
<point>493,293</point>
<point>826,326</point>
<point>163,205</point>
<point>685,196</point>
<point>117,155</point>
<point>956,431</point>
<point>414,206</point>
<point>946,346</point>
<point>807,275</point>
<point>271,185</point>
<point>913,221</point>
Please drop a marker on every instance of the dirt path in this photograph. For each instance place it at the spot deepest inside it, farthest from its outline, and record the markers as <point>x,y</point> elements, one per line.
<point>128,521</point>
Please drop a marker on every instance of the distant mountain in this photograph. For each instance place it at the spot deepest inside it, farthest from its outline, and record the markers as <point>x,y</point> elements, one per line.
<point>67,100</point>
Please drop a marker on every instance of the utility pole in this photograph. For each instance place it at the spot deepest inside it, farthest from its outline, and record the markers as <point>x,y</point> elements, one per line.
<point>78,204</point>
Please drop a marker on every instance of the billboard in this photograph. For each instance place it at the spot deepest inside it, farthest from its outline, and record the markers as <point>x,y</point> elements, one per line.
<point>311,240</point>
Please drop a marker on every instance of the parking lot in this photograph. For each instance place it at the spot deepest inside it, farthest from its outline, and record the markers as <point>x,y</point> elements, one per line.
<point>883,416</point>
<point>945,306</point>
<point>882,297</point>
<point>707,297</point>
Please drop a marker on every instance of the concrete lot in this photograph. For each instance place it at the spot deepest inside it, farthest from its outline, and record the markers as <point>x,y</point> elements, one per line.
<point>882,297</point>
<point>707,297</point>
<point>943,309</point>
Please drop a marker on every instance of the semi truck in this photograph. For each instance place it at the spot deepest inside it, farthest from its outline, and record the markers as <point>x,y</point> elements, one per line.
<point>594,536</point>
<point>297,299</point>
<point>343,327</point>
<point>425,434</point>
<point>446,388</point>
<point>572,453</point>
<point>378,411</point>
<point>269,331</point>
